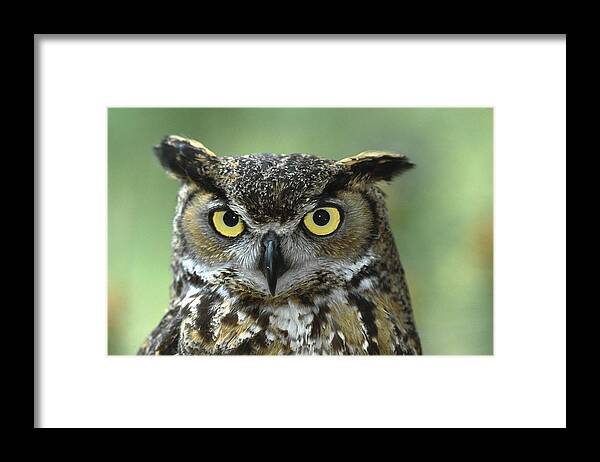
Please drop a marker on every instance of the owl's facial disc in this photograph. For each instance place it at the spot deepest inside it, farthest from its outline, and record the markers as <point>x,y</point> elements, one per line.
<point>321,244</point>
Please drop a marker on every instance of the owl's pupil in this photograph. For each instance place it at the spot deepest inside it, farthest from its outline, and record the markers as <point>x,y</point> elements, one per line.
<point>230,219</point>
<point>321,217</point>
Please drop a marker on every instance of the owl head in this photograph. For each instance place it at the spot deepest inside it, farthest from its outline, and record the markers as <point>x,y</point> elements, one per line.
<point>275,226</point>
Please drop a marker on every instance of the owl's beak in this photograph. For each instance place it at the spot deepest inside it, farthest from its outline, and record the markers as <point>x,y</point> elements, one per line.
<point>272,264</point>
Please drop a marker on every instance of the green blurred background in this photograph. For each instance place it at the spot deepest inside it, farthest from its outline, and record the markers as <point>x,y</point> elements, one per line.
<point>441,212</point>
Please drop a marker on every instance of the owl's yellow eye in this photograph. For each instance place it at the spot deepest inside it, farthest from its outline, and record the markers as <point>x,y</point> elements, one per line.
<point>323,221</point>
<point>227,223</point>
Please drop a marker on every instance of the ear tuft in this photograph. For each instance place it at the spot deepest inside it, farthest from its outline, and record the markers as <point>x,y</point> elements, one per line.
<point>376,165</point>
<point>186,159</point>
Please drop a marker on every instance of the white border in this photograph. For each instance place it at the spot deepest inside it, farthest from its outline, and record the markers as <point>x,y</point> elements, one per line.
<point>524,384</point>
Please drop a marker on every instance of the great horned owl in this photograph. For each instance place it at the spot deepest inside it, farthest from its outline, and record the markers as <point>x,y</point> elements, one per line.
<point>283,254</point>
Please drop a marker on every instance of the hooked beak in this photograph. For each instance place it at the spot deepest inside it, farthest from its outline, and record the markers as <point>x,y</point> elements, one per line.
<point>272,264</point>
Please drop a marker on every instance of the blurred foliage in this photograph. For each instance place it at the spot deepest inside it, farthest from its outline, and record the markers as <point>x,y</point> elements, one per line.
<point>440,212</point>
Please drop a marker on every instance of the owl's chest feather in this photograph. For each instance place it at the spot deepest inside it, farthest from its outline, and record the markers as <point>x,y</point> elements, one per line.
<point>341,323</point>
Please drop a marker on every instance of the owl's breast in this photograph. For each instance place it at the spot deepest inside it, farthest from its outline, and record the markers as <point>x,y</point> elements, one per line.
<point>338,324</point>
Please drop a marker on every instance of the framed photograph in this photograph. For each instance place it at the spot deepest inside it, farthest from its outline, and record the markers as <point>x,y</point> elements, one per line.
<point>292,220</point>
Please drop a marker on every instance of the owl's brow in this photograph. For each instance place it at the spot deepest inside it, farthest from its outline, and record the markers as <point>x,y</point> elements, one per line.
<point>336,183</point>
<point>219,194</point>
<point>328,194</point>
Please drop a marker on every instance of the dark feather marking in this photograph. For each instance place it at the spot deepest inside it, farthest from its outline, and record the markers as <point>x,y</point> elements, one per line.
<point>187,201</point>
<point>337,344</point>
<point>397,349</point>
<point>205,316</point>
<point>384,167</point>
<point>366,309</point>
<point>339,181</point>
<point>194,279</point>
<point>263,320</point>
<point>230,319</point>
<point>260,340</point>
<point>364,272</point>
<point>244,348</point>
<point>305,300</point>
<point>374,234</point>
<point>252,310</point>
